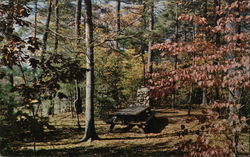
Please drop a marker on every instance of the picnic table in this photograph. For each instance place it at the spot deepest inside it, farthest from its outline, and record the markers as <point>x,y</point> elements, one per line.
<point>132,116</point>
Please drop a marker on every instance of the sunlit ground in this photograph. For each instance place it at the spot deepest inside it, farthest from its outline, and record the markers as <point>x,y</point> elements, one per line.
<point>63,141</point>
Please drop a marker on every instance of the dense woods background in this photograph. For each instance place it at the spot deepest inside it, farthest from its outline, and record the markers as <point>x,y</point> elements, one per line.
<point>90,57</point>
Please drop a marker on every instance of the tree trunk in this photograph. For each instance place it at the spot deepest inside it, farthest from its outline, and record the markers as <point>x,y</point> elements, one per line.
<point>173,103</point>
<point>118,21</point>
<point>190,101</point>
<point>35,27</point>
<point>78,23</point>
<point>57,25</point>
<point>78,104</point>
<point>9,36</point>
<point>45,35</point>
<point>204,96</point>
<point>78,100</point>
<point>151,28</point>
<point>217,41</point>
<point>235,95</point>
<point>142,49</point>
<point>204,89</point>
<point>216,18</point>
<point>144,65</point>
<point>90,132</point>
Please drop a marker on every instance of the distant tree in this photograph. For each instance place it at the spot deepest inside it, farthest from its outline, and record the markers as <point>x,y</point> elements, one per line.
<point>118,21</point>
<point>78,96</point>
<point>57,25</point>
<point>46,32</point>
<point>151,28</point>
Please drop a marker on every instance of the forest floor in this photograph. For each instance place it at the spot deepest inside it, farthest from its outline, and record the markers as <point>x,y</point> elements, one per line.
<point>63,140</point>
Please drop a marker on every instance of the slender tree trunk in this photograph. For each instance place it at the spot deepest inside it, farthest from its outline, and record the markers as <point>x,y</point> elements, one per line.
<point>118,21</point>
<point>144,65</point>
<point>78,104</point>
<point>78,23</point>
<point>173,103</point>
<point>90,132</point>
<point>78,100</point>
<point>204,89</point>
<point>217,41</point>
<point>142,50</point>
<point>151,28</point>
<point>9,37</point>
<point>35,31</point>
<point>57,25</point>
<point>72,106</point>
<point>216,18</point>
<point>204,96</point>
<point>45,35</point>
<point>33,132</point>
<point>190,101</point>
<point>235,95</point>
<point>23,73</point>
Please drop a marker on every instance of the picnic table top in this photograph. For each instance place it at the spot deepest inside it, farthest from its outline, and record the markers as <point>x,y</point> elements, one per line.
<point>131,111</point>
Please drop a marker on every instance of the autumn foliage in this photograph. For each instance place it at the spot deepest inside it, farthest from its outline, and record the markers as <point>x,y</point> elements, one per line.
<point>207,62</point>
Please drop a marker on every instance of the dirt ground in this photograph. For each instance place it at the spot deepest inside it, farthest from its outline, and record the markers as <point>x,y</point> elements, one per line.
<point>63,141</point>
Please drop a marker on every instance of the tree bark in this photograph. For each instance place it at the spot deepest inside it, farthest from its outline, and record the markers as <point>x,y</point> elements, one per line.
<point>45,35</point>
<point>144,65</point>
<point>190,101</point>
<point>142,48</point>
<point>151,28</point>
<point>35,27</point>
<point>9,36</point>
<point>57,25</point>
<point>118,21</point>
<point>204,96</point>
<point>78,104</point>
<point>90,132</point>
<point>78,100</point>
<point>217,40</point>
<point>173,103</point>
<point>204,89</point>
<point>78,22</point>
<point>216,18</point>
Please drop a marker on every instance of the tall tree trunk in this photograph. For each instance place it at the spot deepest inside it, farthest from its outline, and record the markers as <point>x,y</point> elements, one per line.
<point>216,18</point>
<point>35,27</point>
<point>90,132</point>
<point>190,100</point>
<point>235,95</point>
<point>217,41</point>
<point>45,35</point>
<point>78,100</point>
<point>204,89</point>
<point>78,23</point>
<point>9,37</point>
<point>118,21</point>
<point>57,25</point>
<point>142,50</point>
<point>151,28</point>
<point>173,103</point>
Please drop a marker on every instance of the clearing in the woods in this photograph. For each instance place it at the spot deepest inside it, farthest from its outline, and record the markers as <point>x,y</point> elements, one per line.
<point>63,140</point>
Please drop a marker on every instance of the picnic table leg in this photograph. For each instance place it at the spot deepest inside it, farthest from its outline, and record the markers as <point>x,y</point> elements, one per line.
<point>141,127</point>
<point>112,125</point>
<point>129,126</point>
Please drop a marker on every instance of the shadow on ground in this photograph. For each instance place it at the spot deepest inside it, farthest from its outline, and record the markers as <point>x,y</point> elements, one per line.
<point>106,151</point>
